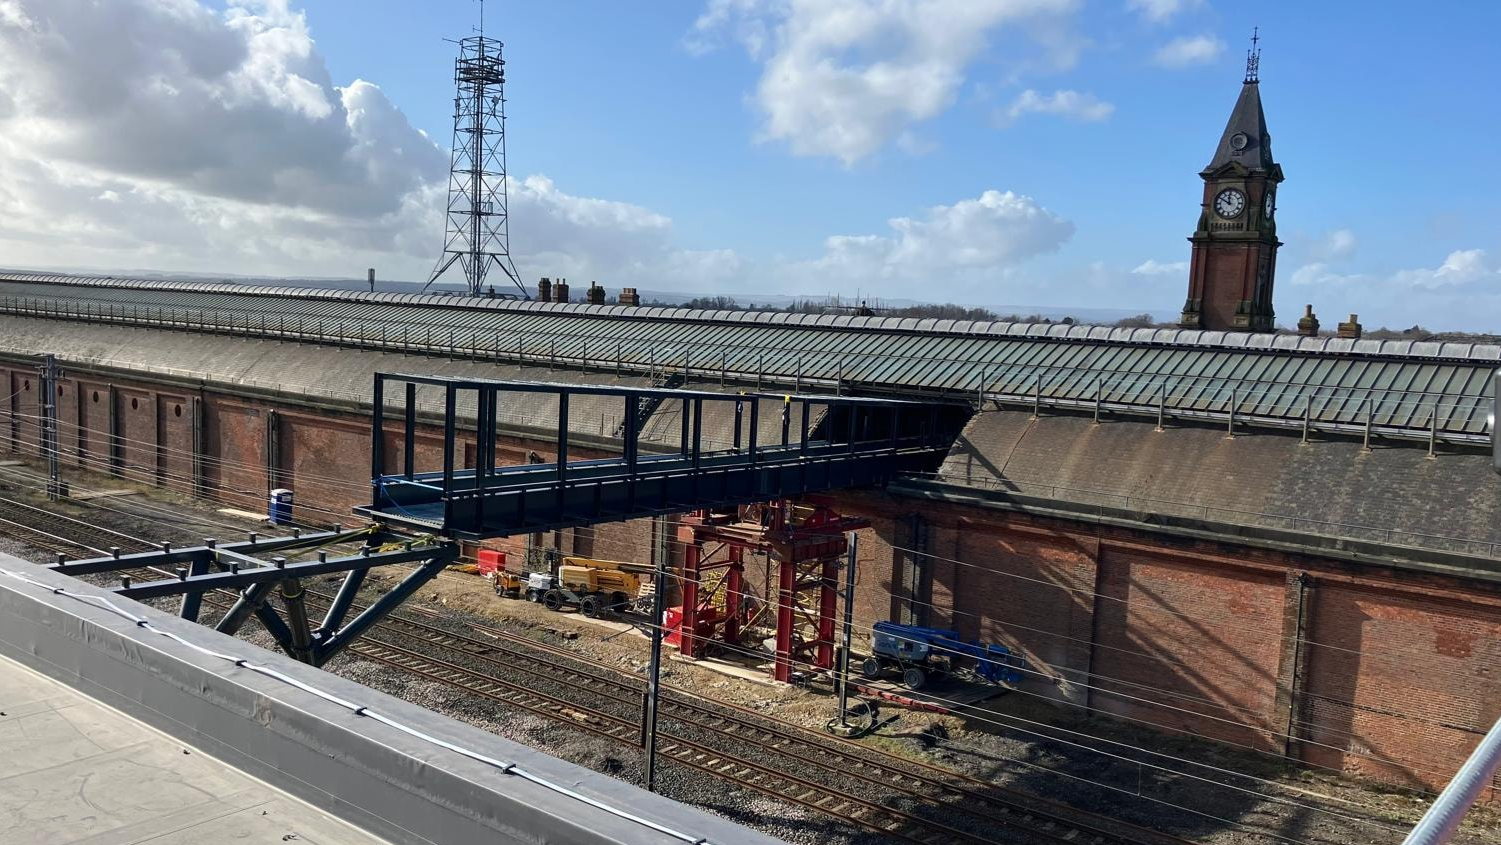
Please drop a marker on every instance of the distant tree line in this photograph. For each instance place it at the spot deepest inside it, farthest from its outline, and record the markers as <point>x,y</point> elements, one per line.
<point>836,305</point>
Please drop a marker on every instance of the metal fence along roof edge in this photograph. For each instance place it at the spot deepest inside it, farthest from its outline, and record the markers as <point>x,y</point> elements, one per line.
<point>1056,332</point>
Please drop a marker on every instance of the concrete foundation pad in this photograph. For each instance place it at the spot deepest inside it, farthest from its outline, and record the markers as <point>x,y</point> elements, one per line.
<point>760,674</point>
<point>100,494</point>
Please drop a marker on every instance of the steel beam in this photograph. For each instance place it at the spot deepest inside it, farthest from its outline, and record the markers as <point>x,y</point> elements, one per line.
<point>439,559</point>
<point>137,560</point>
<point>192,603</point>
<point>292,597</point>
<point>251,599</point>
<point>849,446</point>
<point>339,608</point>
<point>786,595</point>
<point>275,574</point>
<point>688,644</point>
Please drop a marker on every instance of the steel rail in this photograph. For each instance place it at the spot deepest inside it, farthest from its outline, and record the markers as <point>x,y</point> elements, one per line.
<point>853,759</point>
<point>736,770</point>
<point>836,756</point>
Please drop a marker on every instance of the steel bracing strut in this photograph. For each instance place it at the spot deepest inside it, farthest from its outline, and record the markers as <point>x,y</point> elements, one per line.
<point>247,569</point>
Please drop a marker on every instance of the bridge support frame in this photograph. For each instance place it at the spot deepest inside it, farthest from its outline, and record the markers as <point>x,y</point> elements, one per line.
<point>805,545</point>
<point>247,568</point>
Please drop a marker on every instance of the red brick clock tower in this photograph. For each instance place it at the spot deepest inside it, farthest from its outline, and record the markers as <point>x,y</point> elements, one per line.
<point>1234,258</point>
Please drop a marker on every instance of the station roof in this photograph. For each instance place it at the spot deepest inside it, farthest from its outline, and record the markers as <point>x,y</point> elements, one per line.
<point>1398,387</point>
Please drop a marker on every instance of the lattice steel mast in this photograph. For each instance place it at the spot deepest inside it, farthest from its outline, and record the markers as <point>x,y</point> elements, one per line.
<point>478,222</point>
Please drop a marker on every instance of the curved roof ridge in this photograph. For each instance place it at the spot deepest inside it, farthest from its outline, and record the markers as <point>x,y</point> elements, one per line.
<point>1454,350</point>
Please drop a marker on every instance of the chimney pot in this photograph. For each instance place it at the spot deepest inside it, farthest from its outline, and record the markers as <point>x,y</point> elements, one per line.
<point>1350,330</point>
<point>1309,325</point>
<point>544,290</point>
<point>628,296</point>
<point>560,291</point>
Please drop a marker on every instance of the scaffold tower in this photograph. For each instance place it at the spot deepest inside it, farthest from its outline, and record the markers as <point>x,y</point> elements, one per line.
<point>478,221</point>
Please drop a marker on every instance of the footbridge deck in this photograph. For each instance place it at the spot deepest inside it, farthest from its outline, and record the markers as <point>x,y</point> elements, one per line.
<point>775,446</point>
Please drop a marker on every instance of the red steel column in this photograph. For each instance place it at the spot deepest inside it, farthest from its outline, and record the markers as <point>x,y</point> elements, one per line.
<point>786,581</point>
<point>828,606</point>
<point>688,644</point>
<point>734,581</point>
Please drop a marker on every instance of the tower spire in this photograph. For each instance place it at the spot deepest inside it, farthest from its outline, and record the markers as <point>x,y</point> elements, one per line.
<point>1253,56</point>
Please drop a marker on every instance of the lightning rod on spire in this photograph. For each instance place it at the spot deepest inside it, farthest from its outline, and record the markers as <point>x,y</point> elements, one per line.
<point>1253,57</point>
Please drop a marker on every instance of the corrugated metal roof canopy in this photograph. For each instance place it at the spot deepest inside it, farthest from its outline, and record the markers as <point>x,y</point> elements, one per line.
<point>1393,386</point>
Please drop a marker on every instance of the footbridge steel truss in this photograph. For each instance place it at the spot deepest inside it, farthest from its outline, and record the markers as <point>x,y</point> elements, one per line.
<point>836,442</point>
<point>256,570</point>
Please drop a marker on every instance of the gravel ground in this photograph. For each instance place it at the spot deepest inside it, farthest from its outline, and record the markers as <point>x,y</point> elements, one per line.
<point>1346,812</point>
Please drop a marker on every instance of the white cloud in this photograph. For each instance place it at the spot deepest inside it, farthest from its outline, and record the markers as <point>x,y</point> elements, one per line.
<point>585,238</point>
<point>1461,267</point>
<point>742,19</point>
<point>978,236</point>
<point>1153,267</point>
<point>1335,245</point>
<point>1069,104</point>
<point>163,135</point>
<point>1189,50</point>
<point>1319,274</point>
<point>1463,292</point>
<point>845,78</point>
<point>239,107</point>
<point>1160,11</point>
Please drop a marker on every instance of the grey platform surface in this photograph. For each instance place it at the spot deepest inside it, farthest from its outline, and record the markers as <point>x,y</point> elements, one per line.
<point>75,771</point>
<point>287,724</point>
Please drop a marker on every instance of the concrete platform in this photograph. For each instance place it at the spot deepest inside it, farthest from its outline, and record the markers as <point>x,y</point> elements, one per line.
<point>370,767</point>
<point>75,771</point>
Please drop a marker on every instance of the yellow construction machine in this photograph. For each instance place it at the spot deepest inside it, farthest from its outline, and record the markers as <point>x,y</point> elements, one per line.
<point>596,587</point>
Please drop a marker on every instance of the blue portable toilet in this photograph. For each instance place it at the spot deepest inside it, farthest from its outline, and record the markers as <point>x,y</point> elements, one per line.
<point>281,506</point>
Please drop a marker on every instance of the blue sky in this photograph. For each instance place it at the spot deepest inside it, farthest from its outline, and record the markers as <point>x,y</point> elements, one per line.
<point>1000,152</point>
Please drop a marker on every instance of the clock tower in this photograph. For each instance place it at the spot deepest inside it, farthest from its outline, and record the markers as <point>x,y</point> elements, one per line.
<point>1234,259</point>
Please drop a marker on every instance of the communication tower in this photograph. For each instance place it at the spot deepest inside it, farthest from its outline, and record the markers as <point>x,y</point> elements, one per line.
<point>478,223</point>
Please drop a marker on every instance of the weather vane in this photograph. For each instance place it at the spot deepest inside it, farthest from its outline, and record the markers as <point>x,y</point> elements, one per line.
<point>1253,56</point>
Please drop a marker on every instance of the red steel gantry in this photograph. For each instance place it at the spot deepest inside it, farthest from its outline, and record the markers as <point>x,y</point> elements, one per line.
<point>805,544</point>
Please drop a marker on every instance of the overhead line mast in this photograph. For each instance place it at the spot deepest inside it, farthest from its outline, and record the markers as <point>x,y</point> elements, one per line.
<point>478,221</point>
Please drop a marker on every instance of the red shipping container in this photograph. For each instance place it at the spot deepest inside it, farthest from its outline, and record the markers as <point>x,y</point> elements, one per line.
<point>490,561</point>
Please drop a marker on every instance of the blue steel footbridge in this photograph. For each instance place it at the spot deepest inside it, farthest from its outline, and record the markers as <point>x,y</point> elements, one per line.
<point>762,446</point>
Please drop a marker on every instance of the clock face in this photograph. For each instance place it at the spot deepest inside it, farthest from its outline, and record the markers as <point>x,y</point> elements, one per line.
<point>1239,140</point>
<point>1230,203</point>
<point>1271,204</point>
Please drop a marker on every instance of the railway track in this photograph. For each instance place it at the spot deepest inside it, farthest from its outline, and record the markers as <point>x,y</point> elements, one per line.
<point>982,802</point>
<point>822,774</point>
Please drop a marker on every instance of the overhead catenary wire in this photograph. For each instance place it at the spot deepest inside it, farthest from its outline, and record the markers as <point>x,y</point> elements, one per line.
<point>1168,771</point>
<point>1177,694</point>
<point>1156,767</point>
<point>928,554</point>
<point>1256,728</point>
